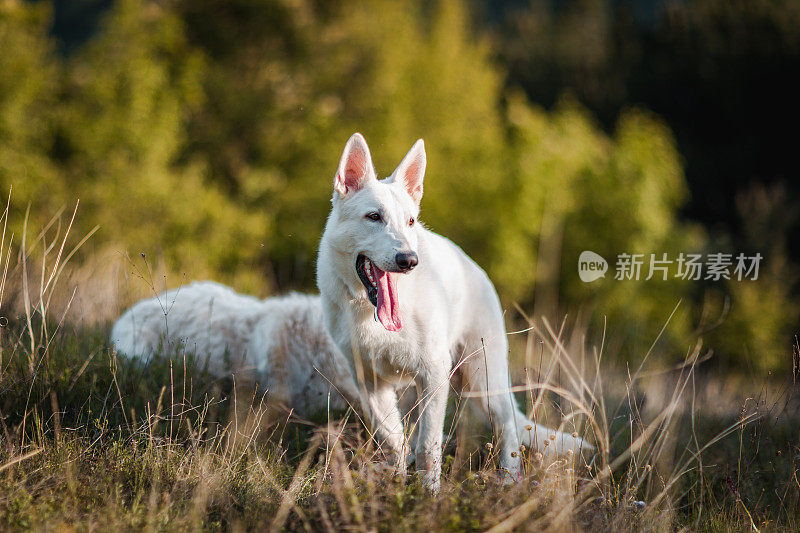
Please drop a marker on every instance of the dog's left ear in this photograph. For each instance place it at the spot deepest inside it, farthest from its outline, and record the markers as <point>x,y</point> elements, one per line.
<point>411,170</point>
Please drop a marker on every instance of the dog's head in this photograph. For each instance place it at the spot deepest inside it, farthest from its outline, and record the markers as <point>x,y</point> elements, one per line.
<point>377,222</point>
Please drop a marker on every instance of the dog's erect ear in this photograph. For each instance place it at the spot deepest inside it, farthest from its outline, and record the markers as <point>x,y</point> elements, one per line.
<point>355,167</point>
<point>411,170</point>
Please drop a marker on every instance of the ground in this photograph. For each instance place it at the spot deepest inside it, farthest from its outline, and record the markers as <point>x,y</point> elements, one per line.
<point>94,441</point>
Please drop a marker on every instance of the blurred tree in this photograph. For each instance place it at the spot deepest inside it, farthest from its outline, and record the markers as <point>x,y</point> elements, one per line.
<point>298,78</point>
<point>28,89</point>
<point>578,189</point>
<point>76,21</point>
<point>206,134</point>
<point>128,94</point>
<point>758,317</point>
<point>723,74</point>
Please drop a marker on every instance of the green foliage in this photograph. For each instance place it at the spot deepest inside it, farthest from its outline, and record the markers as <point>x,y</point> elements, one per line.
<point>393,72</point>
<point>28,91</point>
<point>578,189</point>
<point>758,317</point>
<point>92,439</point>
<point>205,136</point>
<point>129,93</point>
<point>722,75</point>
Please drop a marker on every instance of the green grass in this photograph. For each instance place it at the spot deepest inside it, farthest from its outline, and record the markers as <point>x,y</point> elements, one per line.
<point>93,441</point>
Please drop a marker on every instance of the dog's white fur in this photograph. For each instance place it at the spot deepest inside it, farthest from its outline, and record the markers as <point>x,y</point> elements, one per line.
<point>281,342</point>
<point>451,315</point>
<point>452,326</point>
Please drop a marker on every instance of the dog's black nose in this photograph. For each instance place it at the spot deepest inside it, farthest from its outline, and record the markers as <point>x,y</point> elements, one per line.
<point>406,260</point>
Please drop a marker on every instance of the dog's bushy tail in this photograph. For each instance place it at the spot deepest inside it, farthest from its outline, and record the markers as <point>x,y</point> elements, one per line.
<point>549,441</point>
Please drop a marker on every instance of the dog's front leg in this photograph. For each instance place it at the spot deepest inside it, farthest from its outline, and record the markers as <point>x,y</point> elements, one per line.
<point>432,388</point>
<point>387,424</point>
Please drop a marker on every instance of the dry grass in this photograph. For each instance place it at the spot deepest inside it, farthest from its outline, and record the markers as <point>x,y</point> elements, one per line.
<point>89,440</point>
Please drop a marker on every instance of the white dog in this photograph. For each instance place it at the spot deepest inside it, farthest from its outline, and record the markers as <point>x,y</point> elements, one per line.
<point>405,304</point>
<point>280,342</point>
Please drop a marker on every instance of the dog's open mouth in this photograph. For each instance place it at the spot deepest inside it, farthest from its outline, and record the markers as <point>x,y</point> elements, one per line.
<point>382,292</point>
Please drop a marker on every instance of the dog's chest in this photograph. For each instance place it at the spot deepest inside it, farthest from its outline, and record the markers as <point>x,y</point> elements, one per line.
<point>392,355</point>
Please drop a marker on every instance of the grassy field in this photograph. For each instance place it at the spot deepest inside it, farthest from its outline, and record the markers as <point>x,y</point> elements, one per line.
<point>94,441</point>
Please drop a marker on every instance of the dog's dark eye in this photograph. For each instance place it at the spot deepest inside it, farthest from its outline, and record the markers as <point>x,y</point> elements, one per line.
<point>411,221</point>
<point>374,216</point>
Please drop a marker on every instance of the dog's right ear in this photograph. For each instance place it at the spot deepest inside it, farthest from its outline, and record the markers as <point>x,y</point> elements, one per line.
<point>355,166</point>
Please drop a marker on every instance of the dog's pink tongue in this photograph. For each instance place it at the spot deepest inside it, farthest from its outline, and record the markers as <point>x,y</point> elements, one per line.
<point>388,306</point>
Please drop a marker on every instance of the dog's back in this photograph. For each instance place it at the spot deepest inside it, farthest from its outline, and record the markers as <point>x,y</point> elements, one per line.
<point>203,318</point>
<point>280,342</point>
